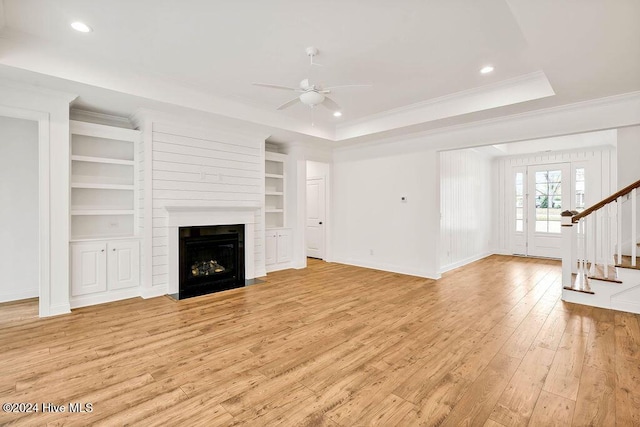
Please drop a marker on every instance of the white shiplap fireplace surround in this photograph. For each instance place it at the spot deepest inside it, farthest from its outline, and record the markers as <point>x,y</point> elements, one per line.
<point>185,216</point>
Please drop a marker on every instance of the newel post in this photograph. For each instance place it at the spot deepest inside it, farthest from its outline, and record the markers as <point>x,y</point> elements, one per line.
<point>569,247</point>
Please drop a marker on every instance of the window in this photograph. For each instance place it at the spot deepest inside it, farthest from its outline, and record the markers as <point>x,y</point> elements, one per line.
<point>580,189</point>
<point>548,201</point>
<point>519,201</point>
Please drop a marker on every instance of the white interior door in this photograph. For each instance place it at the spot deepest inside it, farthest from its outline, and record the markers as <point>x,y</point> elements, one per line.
<point>548,194</point>
<point>314,234</point>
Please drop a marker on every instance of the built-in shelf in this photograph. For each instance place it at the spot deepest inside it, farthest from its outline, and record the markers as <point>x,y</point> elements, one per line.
<point>98,237</point>
<point>274,189</point>
<point>104,198</point>
<point>102,186</point>
<point>103,212</point>
<point>102,160</point>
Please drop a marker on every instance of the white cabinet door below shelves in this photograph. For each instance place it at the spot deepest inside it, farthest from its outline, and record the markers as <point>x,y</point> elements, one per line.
<point>89,268</point>
<point>270,247</point>
<point>123,264</point>
<point>284,246</point>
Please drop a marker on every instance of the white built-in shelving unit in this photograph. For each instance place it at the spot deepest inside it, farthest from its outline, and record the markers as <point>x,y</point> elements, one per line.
<point>105,249</point>
<point>274,186</point>
<point>277,236</point>
<point>103,177</point>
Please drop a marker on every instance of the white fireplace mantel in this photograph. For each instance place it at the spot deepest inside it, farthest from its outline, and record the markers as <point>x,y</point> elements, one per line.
<point>199,216</point>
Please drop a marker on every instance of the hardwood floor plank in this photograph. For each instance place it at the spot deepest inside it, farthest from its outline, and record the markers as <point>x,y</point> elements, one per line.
<point>516,403</point>
<point>564,375</point>
<point>596,403</point>
<point>627,391</point>
<point>601,340</point>
<point>627,333</point>
<point>476,404</point>
<point>552,411</point>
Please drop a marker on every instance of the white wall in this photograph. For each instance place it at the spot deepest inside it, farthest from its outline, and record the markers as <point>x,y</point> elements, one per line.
<point>600,182</point>
<point>198,167</point>
<point>372,227</point>
<point>466,199</point>
<point>19,252</point>
<point>628,155</point>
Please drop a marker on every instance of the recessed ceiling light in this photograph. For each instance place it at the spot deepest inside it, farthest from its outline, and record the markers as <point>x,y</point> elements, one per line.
<point>81,26</point>
<point>337,114</point>
<point>486,69</point>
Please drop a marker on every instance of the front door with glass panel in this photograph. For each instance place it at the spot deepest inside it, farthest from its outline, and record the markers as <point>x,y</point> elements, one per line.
<point>541,193</point>
<point>548,189</point>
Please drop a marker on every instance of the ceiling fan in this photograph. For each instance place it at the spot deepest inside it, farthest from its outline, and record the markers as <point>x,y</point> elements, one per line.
<point>311,95</point>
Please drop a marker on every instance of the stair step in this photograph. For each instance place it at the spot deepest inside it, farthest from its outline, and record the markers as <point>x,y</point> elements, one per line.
<point>626,262</point>
<point>599,274</point>
<point>579,283</point>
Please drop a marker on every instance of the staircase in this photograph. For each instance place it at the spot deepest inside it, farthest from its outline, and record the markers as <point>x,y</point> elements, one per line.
<point>600,262</point>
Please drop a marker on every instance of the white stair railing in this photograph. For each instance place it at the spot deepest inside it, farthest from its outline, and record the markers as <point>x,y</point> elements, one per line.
<point>595,237</point>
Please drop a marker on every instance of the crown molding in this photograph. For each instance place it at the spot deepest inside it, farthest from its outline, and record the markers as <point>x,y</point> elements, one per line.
<point>610,112</point>
<point>100,118</point>
<point>28,89</point>
<point>511,91</point>
<point>200,121</point>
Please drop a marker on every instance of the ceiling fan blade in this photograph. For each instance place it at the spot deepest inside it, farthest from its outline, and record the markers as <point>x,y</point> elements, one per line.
<point>341,86</point>
<point>288,104</point>
<point>275,86</point>
<point>331,104</point>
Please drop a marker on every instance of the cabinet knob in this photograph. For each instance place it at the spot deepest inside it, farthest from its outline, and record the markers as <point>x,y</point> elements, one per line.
<point>102,250</point>
<point>320,223</point>
<point>114,249</point>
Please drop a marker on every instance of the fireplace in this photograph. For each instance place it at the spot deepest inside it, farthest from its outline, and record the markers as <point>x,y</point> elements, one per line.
<point>211,259</point>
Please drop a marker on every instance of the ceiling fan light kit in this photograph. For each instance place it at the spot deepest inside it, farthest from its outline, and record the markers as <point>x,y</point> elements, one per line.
<point>311,95</point>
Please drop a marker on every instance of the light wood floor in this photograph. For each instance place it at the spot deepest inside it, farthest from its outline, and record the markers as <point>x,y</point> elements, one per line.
<point>488,344</point>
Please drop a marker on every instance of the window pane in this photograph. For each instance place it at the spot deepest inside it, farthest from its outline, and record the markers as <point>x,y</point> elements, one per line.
<point>541,226</point>
<point>554,226</point>
<point>580,189</point>
<point>519,201</point>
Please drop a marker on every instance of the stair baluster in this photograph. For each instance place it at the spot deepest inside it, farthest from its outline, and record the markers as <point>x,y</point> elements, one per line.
<point>619,226</point>
<point>634,229</point>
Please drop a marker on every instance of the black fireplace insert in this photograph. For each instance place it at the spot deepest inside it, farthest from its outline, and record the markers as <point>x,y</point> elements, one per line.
<point>211,259</point>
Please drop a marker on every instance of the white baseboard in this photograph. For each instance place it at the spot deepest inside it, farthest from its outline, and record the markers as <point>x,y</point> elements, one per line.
<point>57,310</point>
<point>17,296</point>
<point>388,267</point>
<point>630,307</point>
<point>277,267</point>
<point>111,296</point>
<point>259,273</point>
<point>153,292</point>
<point>465,261</point>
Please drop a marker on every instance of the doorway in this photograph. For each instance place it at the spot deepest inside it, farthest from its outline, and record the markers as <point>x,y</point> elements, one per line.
<point>316,210</point>
<point>542,193</point>
<point>19,209</point>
